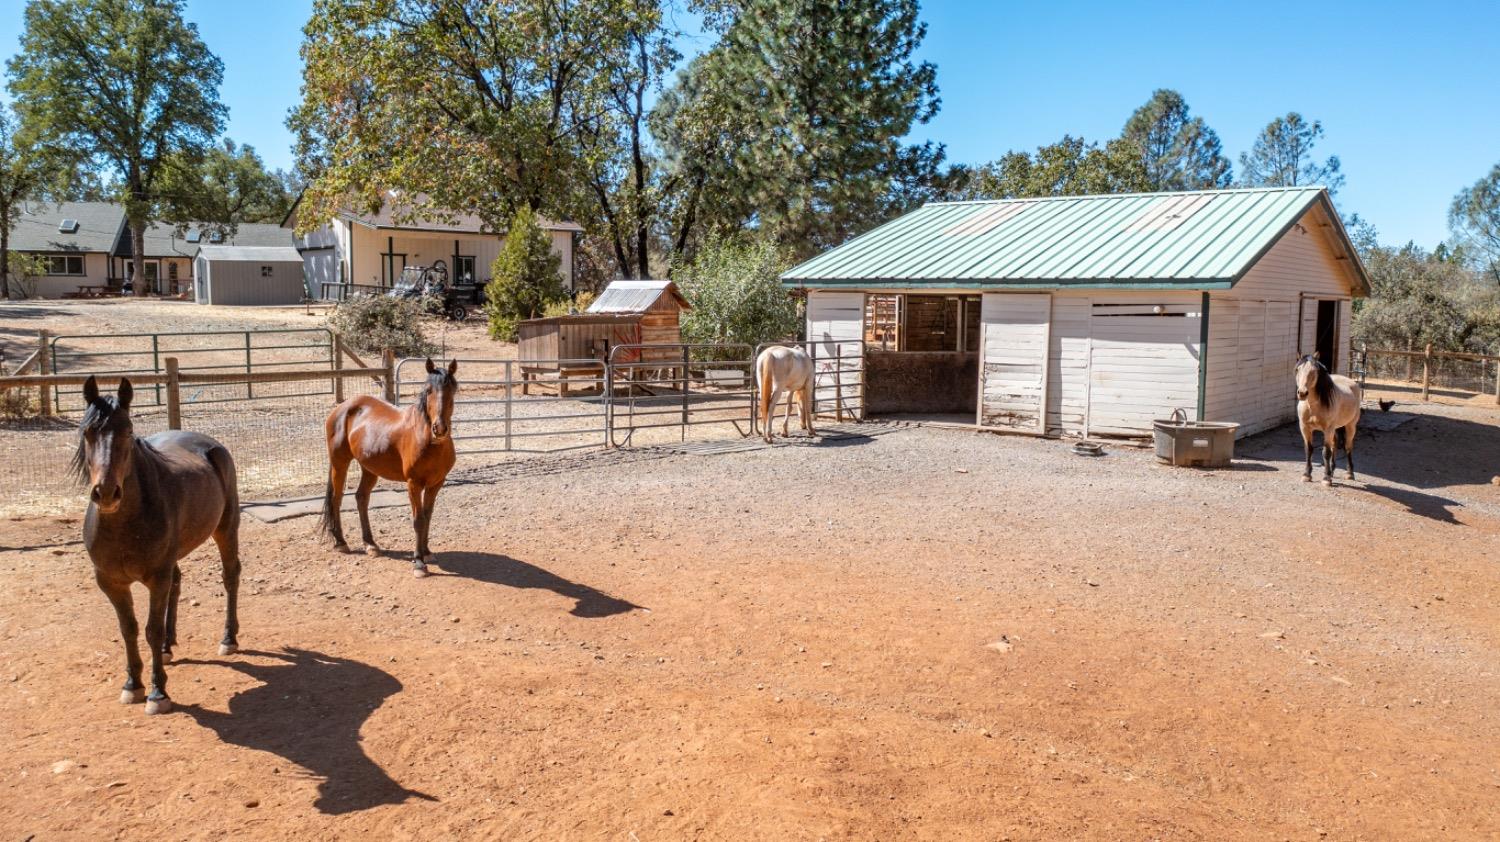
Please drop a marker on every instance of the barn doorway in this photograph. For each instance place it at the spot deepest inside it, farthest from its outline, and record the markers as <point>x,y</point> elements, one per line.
<point>922,355</point>
<point>1327,341</point>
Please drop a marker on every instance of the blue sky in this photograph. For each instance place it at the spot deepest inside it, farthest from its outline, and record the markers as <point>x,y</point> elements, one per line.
<point>1407,92</point>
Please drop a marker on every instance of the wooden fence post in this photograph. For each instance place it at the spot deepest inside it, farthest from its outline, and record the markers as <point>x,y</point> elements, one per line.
<point>1426,369</point>
<point>174,395</point>
<point>43,350</point>
<point>338,365</point>
<point>388,360</point>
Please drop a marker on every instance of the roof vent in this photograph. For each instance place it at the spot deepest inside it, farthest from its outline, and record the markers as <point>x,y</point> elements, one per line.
<point>986,220</point>
<point>68,226</point>
<point>194,236</point>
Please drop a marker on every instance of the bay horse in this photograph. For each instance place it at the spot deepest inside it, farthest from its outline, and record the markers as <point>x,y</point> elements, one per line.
<point>412,445</point>
<point>152,501</point>
<point>1327,403</point>
<point>784,370</point>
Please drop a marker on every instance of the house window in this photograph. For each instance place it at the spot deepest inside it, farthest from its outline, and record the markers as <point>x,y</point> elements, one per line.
<point>265,271</point>
<point>463,269</point>
<point>65,264</point>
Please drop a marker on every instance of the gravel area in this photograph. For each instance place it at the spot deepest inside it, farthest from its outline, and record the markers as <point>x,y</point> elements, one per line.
<point>920,633</point>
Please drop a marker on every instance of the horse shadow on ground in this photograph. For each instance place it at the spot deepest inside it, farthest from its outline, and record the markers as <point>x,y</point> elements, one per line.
<point>309,708</point>
<point>1430,453</point>
<point>503,570</point>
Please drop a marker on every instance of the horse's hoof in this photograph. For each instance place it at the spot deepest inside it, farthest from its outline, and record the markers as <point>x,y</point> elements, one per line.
<point>1350,475</point>
<point>228,648</point>
<point>419,571</point>
<point>132,697</point>
<point>156,706</point>
<point>166,656</point>
<point>372,551</point>
<point>1307,477</point>
<point>1328,482</point>
<point>340,547</point>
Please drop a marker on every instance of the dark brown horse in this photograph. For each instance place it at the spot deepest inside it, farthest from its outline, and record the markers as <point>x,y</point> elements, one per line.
<point>414,446</point>
<point>151,502</point>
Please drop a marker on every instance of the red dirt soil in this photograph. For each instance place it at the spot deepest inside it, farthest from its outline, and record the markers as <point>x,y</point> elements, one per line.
<point>924,634</point>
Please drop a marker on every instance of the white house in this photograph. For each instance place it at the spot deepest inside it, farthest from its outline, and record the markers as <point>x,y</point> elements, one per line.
<point>372,249</point>
<point>1093,314</point>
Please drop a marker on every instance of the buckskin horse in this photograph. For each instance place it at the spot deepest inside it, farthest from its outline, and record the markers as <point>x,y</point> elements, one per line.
<point>151,502</point>
<point>412,445</point>
<point>1328,403</point>
<point>784,370</point>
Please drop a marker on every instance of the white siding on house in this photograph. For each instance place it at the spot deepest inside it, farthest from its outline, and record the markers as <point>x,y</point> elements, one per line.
<point>369,246</point>
<point>96,273</point>
<point>1257,329</point>
<point>836,320</point>
<point>1013,365</point>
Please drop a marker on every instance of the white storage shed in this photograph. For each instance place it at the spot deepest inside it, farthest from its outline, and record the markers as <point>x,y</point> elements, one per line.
<point>1093,315</point>
<point>249,275</point>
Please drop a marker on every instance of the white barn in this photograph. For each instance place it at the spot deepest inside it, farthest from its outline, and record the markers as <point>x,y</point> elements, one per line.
<point>1093,315</point>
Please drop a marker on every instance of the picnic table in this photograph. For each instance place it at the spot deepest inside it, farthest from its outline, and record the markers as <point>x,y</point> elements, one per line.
<point>94,291</point>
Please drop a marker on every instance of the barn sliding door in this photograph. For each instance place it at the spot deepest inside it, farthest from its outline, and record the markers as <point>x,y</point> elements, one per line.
<point>1013,363</point>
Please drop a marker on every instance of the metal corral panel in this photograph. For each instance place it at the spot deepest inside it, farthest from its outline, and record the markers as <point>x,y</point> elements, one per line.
<point>1189,240</point>
<point>249,276</point>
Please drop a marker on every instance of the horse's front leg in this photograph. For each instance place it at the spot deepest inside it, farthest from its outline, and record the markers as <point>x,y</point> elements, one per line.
<point>119,596</point>
<point>367,480</point>
<point>1329,457</point>
<point>156,634</point>
<point>429,500</point>
<point>418,525</point>
<point>1307,438</point>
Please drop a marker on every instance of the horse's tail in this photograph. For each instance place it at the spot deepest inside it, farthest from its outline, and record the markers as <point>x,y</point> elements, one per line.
<point>763,385</point>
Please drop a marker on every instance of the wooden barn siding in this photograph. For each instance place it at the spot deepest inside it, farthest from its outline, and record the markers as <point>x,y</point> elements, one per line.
<point>1257,328</point>
<point>834,317</point>
<point>1142,365</point>
<point>1014,362</point>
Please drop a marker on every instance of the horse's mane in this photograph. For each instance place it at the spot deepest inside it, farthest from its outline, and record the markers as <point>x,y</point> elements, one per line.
<point>94,417</point>
<point>1323,384</point>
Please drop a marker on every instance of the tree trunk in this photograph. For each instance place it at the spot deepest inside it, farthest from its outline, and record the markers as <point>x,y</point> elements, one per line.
<point>4,259</point>
<point>138,249</point>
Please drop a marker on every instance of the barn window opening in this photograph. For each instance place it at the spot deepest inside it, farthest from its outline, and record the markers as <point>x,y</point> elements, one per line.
<point>922,354</point>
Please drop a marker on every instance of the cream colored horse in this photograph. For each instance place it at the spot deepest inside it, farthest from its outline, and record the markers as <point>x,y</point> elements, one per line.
<point>783,370</point>
<point>1328,403</point>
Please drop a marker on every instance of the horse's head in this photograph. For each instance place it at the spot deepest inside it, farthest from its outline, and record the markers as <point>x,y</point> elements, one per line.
<point>437,398</point>
<point>106,441</point>
<point>1309,370</point>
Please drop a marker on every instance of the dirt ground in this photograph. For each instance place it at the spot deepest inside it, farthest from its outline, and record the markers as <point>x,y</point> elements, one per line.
<point>918,633</point>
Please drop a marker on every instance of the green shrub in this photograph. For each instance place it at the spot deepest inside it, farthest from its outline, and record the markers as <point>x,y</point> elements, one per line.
<point>736,293</point>
<point>375,323</point>
<point>526,277</point>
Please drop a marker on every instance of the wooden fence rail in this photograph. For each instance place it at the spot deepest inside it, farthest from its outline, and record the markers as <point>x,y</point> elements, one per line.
<point>1428,356</point>
<point>174,379</point>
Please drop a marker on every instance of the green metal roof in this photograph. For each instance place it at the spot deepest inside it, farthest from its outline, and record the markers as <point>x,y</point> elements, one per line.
<point>1200,239</point>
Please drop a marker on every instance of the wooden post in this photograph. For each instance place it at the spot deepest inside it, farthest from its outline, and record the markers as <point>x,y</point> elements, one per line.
<point>388,362</point>
<point>1497,382</point>
<point>1410,346</point>
<point>838,381</point>
<point>338,365</point>
<point>44,351</point>
<point>1426,369</point>
<point>174,395</point>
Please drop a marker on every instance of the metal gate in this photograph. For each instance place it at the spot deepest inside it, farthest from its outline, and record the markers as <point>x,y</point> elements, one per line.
<point>511,406</point>
<point>642,394</point>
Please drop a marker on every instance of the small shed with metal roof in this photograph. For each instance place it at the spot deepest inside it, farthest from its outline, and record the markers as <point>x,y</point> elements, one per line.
<point>1093,315</point>
<point>248,275</point>
<point>627,312</point>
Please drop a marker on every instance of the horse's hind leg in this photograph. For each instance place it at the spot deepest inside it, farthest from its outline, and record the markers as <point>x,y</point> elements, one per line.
<point>807,410</point>
<point>786,419</point>
<point>367,480</point>
<point>160,587</point>
<point>172,613</point>
<point>119,596</point>
<point>333,499</point>
<point>1349,447</point>
<point>227,536</point>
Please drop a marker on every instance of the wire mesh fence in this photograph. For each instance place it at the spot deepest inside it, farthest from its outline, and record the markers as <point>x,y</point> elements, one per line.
<point>1462,375</point>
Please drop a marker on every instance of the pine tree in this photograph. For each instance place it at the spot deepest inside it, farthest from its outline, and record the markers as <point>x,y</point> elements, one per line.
<point>525,276</point>
<point>1178,151</point>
